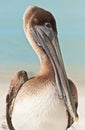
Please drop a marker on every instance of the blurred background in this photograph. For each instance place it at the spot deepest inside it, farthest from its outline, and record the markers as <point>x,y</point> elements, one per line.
<point>15,51</point>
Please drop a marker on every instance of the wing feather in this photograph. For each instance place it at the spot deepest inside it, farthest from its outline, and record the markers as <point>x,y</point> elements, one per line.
<point>75,98</point>
<point>16,83</point>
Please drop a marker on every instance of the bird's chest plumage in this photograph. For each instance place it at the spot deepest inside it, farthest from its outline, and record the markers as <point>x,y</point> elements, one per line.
<point>41,111</point>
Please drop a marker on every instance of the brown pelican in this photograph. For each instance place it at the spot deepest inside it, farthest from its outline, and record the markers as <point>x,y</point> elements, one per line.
<point>49,100</point>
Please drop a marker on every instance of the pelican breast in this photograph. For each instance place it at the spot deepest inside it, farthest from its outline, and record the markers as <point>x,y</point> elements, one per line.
<point>40,109</point>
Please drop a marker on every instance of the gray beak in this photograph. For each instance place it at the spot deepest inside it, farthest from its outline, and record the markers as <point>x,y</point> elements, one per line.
<point>48,41</point>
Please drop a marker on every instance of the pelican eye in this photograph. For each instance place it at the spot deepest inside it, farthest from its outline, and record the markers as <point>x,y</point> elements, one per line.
<point>48,25</point>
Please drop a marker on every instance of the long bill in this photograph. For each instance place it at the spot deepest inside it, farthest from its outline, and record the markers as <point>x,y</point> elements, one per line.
<point>49,43</point>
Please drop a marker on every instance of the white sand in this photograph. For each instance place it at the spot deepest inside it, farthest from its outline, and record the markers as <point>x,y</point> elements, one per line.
<point>80,125</point>
<point>4,86</point>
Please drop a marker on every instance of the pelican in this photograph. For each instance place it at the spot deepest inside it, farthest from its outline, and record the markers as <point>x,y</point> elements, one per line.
<point>48,101</point>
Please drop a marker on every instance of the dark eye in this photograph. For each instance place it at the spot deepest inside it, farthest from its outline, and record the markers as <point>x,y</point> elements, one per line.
<point>48,25</point>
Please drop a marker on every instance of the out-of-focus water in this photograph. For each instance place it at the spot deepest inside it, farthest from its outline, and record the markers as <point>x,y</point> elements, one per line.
<point>16,53</point>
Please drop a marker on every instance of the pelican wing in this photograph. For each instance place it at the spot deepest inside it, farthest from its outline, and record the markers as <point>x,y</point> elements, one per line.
<point>74,93</point>
<point>16,83</point>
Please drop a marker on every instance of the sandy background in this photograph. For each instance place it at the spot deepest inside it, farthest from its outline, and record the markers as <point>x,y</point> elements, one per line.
<point>80,125</point>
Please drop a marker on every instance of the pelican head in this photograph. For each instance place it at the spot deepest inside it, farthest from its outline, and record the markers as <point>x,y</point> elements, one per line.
<point>40,29</point>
